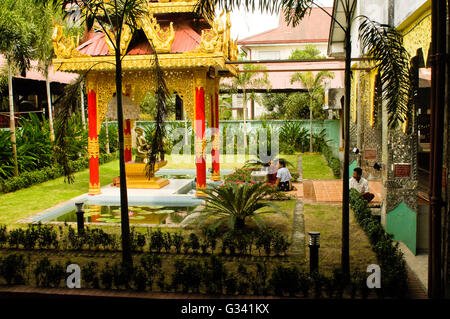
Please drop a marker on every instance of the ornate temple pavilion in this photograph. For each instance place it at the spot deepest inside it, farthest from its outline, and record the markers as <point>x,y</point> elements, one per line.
<point>192,51</point>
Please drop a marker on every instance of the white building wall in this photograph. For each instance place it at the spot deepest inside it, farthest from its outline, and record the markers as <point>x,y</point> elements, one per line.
<point>404,8</point>
<point>281,51</point>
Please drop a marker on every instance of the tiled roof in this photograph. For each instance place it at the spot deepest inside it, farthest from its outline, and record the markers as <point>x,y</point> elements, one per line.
<point>313,28</point>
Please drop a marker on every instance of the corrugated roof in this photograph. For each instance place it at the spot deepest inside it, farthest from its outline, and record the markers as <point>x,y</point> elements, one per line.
<point>313,28</point>
<point>186,39</point>
<point>282,80</point>
<point>34,74</point>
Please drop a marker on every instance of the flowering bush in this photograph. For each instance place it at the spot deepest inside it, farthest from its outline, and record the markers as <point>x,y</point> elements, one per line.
<point>239,175</point>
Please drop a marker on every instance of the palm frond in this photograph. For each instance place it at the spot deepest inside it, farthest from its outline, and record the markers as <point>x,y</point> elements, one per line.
<point>64,108</point>
<point>294,10</point>
<point>385,44</point>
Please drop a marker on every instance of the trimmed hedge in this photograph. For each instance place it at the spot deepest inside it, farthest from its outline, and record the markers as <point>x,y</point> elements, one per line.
<point>393,267</point>
<point>332,161</point>
<point>28,179</point>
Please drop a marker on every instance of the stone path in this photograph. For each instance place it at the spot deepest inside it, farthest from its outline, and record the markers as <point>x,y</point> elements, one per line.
<point>330,191</point>
<point>298,236</point>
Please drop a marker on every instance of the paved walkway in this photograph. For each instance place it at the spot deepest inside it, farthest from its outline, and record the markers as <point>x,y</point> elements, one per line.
<point>329,191</point>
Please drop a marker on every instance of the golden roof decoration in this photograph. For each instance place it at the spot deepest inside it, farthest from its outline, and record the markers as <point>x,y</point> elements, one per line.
<point>64,48</point>
<point>125,39</point>
<point>162,38</point>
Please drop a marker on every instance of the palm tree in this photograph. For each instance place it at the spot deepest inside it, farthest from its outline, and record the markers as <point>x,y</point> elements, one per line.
<point>315,91</point>
<point>16,40</point>
<point>112,16</point>
<point>385,45</point>
<point>246,80</point>
<point>235,202</point>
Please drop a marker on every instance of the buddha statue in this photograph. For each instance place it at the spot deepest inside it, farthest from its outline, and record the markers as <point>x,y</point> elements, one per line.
<point>142,147</point>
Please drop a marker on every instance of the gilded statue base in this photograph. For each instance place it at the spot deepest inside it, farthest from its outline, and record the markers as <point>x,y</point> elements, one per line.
<point>136,177</point>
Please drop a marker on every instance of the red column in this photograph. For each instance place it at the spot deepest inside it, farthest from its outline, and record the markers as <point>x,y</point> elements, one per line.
<point>215,151</point>
<point>127,139</point>
<point>93,147</point>
<point>200,139</point>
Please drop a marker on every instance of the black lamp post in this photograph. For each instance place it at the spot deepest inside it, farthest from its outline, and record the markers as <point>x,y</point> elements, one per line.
<point>314,244</point>
<point>80,217</point>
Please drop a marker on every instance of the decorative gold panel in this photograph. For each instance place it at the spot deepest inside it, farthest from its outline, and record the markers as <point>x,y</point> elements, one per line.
<point>65,48</point>
<point>127,34</point>
<point>162,38</point>
<point>420,37</point>
<point>93,147</point>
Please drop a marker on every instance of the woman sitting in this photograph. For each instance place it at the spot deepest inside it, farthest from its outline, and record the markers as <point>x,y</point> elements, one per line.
<point>272,168</point>
<point>283,177</point>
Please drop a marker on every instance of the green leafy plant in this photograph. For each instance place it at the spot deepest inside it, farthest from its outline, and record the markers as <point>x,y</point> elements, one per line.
<point>13,269</point>
<point>235,202</point>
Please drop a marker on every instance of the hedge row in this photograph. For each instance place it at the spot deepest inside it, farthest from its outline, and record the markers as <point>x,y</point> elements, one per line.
<point>28,179</point>
<point>393,267</point>
<point>209,276</point>
<point>332,161</point>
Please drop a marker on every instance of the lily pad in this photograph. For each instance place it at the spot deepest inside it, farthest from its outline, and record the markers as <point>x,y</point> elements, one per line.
<point>164,211</point>
<point>103,219</point>
<point>116,210</point>
<point>137,217</point>
<point>155,207</point>
<point>146,212</point>
<point>113,220</point>
<point>92,214</point>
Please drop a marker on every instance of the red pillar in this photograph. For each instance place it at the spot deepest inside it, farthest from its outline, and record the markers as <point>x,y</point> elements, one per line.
<point>215,151</point>
<point>93,147</point>
<point>200,139</point>
<point>127,139</point>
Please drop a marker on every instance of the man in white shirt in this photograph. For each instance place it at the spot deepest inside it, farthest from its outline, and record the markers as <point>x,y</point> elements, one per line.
<point>361,185</point>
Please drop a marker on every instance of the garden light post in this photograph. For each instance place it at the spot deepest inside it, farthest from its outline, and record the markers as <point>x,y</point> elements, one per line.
<point>314,244</point>
<point>80,217</point>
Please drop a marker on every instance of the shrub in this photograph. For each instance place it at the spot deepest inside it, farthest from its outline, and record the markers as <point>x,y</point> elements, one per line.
<point>28,179</point>
<point>390,258</point>
<point>106,276</point>
<point>151,264</point>
<point>156,241</point>
<point>48,274</point>
<point>12,269</point>
<point>194,243</point>
<point>285,280</point>
<point>332,161</point>
<point>90,274</point>
<point>178,242</point>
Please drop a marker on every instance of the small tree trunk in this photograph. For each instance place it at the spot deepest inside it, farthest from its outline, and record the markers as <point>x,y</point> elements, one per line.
<point>83,116</point>
<point>245,121</point>
<point>12,124</point>
<point>239,224</point>
<point>125,223</point>
<point>310,126</point>
<point>107,135</point>
<point>50,107</point>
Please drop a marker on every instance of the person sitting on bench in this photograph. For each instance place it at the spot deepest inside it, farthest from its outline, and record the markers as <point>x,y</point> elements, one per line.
<point>361,185</point>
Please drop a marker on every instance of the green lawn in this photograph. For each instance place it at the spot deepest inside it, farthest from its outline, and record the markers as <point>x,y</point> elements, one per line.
<point>315,167</point>
<point>28,201</point>
<point>327,219</point>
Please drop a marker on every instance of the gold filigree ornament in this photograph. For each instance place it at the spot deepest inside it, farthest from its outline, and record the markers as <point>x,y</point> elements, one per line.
<point>215,139</point>
<point>125,40</point>
<point>212,40</point>
<point>65,48</point>
<point>93,147</point>
<point>162,38</point>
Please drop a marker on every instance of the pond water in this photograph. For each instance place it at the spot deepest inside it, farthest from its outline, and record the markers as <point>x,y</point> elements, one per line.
<point>155,215</point>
